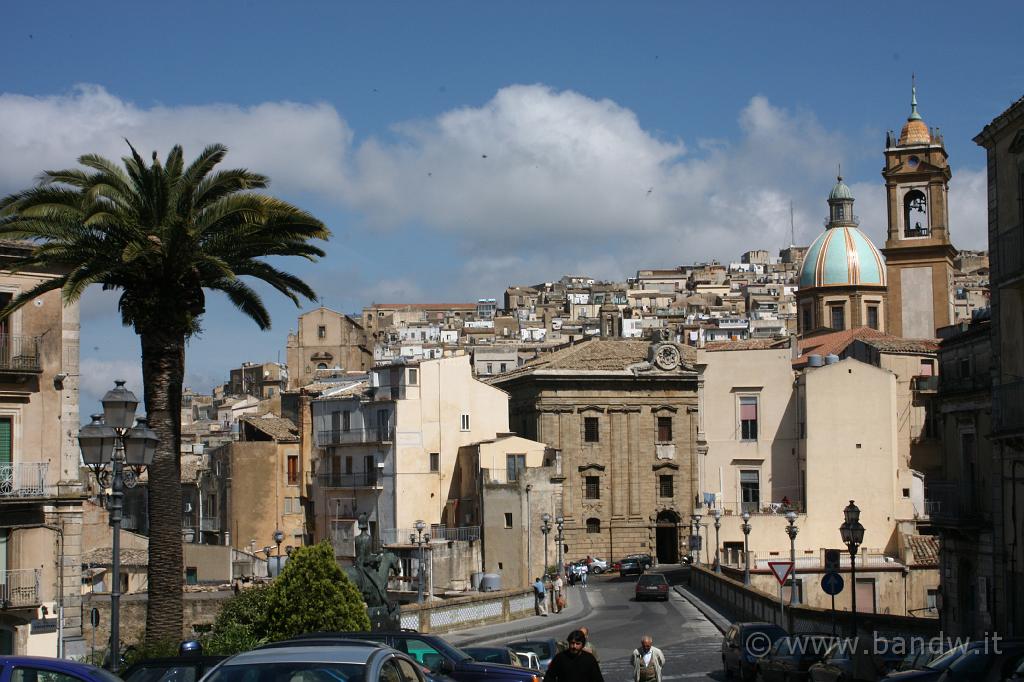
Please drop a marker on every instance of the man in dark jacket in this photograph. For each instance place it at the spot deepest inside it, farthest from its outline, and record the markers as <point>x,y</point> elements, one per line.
<point>574,664</point>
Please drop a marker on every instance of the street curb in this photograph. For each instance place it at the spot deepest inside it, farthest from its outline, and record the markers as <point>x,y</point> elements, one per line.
<point>531,624</point>
<point>709,612</point>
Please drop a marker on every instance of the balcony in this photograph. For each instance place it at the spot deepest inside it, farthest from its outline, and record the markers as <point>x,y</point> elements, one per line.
<point>19,354</point>
<point>19,588</point>
<point>211,523</point>
<point>950,505</point>
<point>400,536</point>
<point>1008,408</point>
<point>23,479</point>
<point>355,436</point>
<point>365,479</point>
<point>1010,248</point>
<point>925,384</point>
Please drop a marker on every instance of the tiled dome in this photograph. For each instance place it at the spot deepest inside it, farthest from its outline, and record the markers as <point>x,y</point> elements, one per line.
<point>842,256</point>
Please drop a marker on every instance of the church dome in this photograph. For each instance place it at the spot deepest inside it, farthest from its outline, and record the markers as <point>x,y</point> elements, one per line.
<point>840,191</point>
<point>842,256</point>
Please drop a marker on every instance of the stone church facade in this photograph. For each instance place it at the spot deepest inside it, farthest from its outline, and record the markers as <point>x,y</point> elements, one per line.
<point>622,418</point>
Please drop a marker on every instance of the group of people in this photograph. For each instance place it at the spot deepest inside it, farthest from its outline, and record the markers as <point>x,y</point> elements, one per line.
<point>578,662</point>
<point>541,591</point>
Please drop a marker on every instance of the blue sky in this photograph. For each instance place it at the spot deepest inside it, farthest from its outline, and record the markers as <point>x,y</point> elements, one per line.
<point>457,147</point>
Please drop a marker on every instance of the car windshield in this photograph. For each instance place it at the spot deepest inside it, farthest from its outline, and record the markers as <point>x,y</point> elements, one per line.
<point>163,673</point>
<point>656,579</point>
<point>289,672</point>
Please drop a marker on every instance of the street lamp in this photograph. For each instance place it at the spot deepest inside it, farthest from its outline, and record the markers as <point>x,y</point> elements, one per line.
<point>419,539</point>
<point>852,533</point>
<point>791,531</point>
<point>278,538</point>
<point>717,513</point>
<point>545,528</point>
<point>560,525</point>
<point>745,527</point>
<point>111,439</point>
<point>696,522</point>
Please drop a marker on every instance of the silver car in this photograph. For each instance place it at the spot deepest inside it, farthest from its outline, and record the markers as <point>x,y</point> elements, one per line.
<point>341,662</point>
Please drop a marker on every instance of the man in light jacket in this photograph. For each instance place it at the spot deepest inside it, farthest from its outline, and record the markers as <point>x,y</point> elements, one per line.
<point>647,661</point>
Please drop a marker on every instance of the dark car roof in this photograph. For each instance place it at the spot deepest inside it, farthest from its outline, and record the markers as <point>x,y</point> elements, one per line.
<point>82,669</point>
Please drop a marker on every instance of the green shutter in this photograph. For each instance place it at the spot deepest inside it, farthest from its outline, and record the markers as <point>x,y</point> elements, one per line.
<point>5,441</point>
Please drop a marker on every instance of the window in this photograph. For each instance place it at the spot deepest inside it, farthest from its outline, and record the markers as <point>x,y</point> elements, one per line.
<point>383,425</point>
<point>346,421</point>
<point>191,575</point>
<point>435,461</point>
<point>321,332</point>
<point>750,490</point>
<point>665,487</point>
<point>927,368</point>
<point>873,316</point>
<point>748,418</point>
<point>808,319</point>
<point>932,599</point>
<point>866,595</point>
<point>592,487</point>
<point>348,464</point>
<point>413,377</point>
<point>915,214</point>
<point>321,365</point>
<point>25,674</point>
<point>465,422</point>
<point>490,368</point>
<point>504,367</point>
<point>838,316</point>
<point>508,519</point>
<point>965,368</point>
<point>664,429</point>
<point>6,440</point>
<point>514,466</point>
<point>293,469</point>
<point>593,525</point>
<point>591,432</point>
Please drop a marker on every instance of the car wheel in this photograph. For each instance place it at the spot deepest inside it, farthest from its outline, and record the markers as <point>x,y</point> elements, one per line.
<point>598,570</point>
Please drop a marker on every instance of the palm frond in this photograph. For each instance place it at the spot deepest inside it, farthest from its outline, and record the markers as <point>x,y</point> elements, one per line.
<point>245,299</point>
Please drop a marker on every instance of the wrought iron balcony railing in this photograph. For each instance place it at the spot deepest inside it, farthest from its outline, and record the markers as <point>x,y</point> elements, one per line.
<point>19,588</point>
<point>23,479</point>
<point>355,436</point>
<point>367,479</point>
<point>952,503</point>
<point>19,353</point>
<point>400,536</point>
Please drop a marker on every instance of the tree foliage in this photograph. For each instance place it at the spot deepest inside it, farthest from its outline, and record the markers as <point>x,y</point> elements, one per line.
<point>312,594</point>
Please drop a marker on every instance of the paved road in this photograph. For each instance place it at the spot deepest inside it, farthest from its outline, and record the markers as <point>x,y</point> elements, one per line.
<point>691,643</point>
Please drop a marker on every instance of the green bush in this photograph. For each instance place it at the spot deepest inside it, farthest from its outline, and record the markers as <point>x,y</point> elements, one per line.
<point>312,594</point>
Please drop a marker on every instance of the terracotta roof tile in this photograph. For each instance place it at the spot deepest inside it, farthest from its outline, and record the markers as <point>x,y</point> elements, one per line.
<point>101,556</point>
<point>594,355</point>
<point>897,345</point>
<point>747,344</point>
<point>833,343</point>
<point>278,428</point>
<point>925,549</point>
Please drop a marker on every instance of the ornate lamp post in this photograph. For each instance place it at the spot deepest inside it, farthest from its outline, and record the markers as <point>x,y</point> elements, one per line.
<point>791,531</point>
<point>560,525</point>
<point>852,533</point>
<point>717,513</point>
<point>420,539</point>
<point>545,528</point>
<point>745,527</point>
<point>111,439</point>
<point>696,525</point>
<point>278,538</point>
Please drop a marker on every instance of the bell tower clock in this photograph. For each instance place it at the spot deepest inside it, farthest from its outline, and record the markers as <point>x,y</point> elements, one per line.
<point>918,252</point>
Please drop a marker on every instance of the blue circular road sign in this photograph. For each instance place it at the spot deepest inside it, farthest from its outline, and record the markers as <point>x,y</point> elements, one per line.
<point>832,583</point>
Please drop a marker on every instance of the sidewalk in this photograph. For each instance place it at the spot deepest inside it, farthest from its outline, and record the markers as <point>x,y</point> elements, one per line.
<point>577,608</point>
<point>717,618</point>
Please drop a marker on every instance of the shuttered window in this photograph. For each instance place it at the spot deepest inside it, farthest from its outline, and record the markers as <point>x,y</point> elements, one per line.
<point>6,444</point>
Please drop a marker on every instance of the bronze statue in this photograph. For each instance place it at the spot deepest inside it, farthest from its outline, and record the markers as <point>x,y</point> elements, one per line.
<point>370,572</point>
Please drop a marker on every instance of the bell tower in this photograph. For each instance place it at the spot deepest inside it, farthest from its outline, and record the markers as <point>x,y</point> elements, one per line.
<point>918,252</point>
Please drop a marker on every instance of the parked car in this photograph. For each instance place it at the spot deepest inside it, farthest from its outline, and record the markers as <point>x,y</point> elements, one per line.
<point>744,644</point>
<point>844,662</point>
<point>993,661</point>
<point>646,560</point>
<point>631,566</point>
<point>597,566</point>
<point>652,585</point>
<point>926,667</point>
<point>529,659</point>
<point>33,668</point>
<point>171,669</point>
<point>494,654</point>
<point>317,661</point>
<point>790,657</point>
<point>434,652</point>
<point>545,648</point>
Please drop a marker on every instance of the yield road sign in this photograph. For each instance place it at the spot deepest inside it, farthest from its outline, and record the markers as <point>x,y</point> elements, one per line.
<point>781,569</point>
<point>832,583</point>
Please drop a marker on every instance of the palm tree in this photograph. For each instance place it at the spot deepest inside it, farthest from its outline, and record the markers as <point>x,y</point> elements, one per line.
<point>161,234</point>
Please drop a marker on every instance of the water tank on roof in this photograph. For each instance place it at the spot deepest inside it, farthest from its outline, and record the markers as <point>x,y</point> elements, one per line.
<point>474,579</point>
<point>490,582</point>
<point>815,361</point>
<point>831,359</point>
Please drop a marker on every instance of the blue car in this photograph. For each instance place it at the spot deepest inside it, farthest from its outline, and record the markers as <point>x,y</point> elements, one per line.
<point>41,669</point>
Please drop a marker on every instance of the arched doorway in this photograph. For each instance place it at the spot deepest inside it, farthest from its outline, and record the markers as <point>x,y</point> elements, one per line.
<point>666,537</point>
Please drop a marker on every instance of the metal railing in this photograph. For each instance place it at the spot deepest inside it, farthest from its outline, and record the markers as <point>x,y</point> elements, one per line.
<point>372,434</point>
<point>209,523</point>
<point>1008,406</point>
<point>19,353</point>
<point>756,508</point>
<point>366,479</point>
<point>19,587</point>
<point>400,536</point>
<point>759,559</point>
<point>23,479</point>
<point>953,503</point>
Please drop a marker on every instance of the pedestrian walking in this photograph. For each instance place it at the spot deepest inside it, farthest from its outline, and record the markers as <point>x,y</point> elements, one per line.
<point>589,646</point>
<point>584,570</point>
<point>540,606</point>
<point>574,664</point>
<point>559,599</point>
<point>647,661</point>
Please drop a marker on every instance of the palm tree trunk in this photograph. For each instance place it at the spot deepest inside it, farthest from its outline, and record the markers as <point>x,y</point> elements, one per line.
<point>163,369</point>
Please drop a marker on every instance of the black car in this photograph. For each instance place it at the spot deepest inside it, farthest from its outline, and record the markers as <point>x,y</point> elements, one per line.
<point>652,586</point>
<point>790,657</point>
<point>435,653</point>
<point>646,560</point>
<point>494,654</point>
<point>631,566</point>
<point>171,669</point>
<point>855,661</point>
<point>744,644</point>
